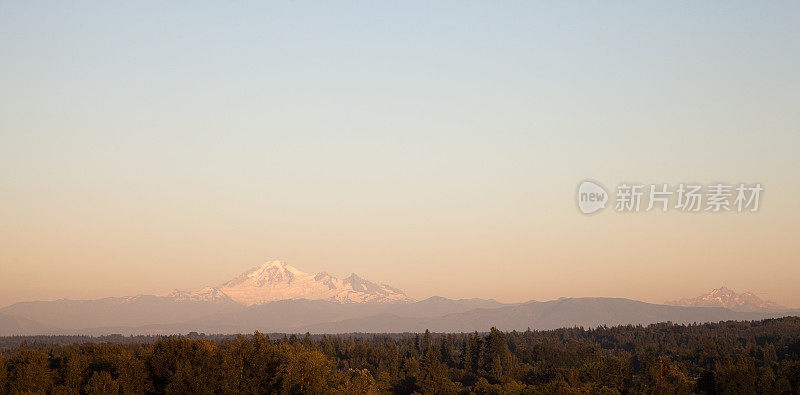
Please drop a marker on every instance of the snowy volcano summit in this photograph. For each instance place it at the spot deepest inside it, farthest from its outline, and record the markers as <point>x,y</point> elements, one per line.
<point>727,298</point>
<point>277,280</point>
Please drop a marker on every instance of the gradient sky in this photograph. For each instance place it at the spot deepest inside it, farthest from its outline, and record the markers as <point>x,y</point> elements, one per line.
<point>146,146</point>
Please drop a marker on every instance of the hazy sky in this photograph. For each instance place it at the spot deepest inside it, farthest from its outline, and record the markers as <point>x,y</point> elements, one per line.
<point>146,146</point>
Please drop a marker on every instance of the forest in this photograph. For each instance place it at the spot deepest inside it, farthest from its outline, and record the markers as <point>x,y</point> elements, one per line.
<point>728,358</point>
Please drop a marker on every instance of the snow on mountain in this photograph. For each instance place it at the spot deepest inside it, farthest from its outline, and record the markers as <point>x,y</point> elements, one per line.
<point>277,280</point>
<point>207,294</point>
<point>725,297</point>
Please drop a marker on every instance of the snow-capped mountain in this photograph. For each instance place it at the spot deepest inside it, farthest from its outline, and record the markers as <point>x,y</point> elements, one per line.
<point>207,294</point>
<point>276,280</point>
<point>725,297</point>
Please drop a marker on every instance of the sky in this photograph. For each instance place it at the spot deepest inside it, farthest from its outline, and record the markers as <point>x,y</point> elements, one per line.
<point>437,147</point>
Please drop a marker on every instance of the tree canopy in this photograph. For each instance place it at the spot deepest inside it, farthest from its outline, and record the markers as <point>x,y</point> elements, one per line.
<point>727,357</point>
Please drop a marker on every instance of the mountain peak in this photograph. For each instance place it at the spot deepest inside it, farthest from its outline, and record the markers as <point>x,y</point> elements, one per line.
<point>277,280</point>
<point>353,277</point>
<point>728,298</point>
<point>279,265</point>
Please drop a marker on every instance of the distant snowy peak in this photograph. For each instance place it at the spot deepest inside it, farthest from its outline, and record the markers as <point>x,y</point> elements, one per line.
<point>275,272</point>
<point>277,280</point>
<point>207,294</point>
<point>370,291</point>
<point>725,297</point>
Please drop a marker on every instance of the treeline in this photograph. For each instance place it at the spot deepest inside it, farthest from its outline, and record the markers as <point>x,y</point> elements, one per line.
<point>728,357</point>
<point>7,342</point>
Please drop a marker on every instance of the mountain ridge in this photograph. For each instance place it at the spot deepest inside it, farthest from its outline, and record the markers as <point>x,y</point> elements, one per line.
<point>276,297</point>
<point>727,298</point>
<point>319,316</point>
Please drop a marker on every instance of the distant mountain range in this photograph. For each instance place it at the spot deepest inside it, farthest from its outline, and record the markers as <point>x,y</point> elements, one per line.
<point>727,298</point>
<point>276,297</point>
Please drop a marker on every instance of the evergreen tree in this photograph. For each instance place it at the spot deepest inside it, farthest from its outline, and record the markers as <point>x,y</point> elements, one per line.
<point>3,374</point>
<point>29,371</point>
<point>101,383</point>
<point>496,355</point>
